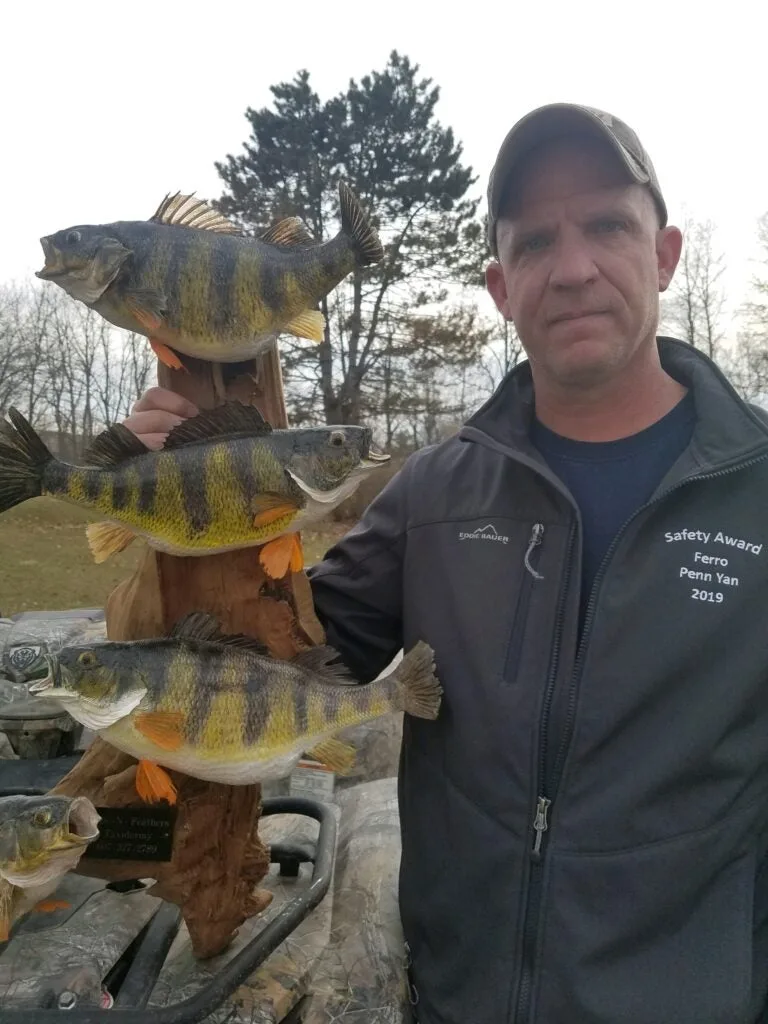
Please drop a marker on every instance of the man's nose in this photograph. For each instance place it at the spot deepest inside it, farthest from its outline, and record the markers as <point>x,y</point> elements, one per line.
<point>574,264</point>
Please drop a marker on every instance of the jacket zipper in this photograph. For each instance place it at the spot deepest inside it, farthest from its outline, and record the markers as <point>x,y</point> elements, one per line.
<point>547,787</point>
<point>521,612</point>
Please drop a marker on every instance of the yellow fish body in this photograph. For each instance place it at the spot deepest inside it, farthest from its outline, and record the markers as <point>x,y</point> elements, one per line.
<point>193,283</point>
<point>224,480</point>
<point>219,708</point>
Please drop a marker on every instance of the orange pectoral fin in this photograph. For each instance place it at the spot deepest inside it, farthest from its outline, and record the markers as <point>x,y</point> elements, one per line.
<point>50,906</point>
<point>154,784</point>
<point>276,556</point>
<point>297,554</point>
<point>164,728</point>
<point>269,511</point>
<point>166,355</point>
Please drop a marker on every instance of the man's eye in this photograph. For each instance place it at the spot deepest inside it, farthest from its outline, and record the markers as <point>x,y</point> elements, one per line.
<point>533,244</point>
<point>609,225</point>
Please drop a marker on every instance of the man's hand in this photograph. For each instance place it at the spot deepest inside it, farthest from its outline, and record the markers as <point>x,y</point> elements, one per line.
<point>156,413</point>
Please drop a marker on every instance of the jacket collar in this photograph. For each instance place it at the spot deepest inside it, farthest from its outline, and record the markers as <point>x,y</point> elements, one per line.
<point>727,430</point>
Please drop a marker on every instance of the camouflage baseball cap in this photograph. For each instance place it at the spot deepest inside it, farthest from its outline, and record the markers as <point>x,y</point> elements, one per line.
<point>566,118</point>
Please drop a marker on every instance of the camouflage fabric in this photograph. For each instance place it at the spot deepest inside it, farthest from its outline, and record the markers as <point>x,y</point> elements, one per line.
<point>361,976</point>
<point>70,950</point>
<point>38,728</point>
<point>378,750</point>
<point>345,961</point>
<point>284,979</point>
<point>26,639</point>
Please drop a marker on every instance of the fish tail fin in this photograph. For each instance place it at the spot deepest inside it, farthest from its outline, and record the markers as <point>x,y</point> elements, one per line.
<point>358,228</point>
<point>23,458</point>
<point>418,690</point>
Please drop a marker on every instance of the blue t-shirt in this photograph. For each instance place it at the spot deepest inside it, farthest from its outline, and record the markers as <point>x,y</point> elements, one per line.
<point>609,480</point>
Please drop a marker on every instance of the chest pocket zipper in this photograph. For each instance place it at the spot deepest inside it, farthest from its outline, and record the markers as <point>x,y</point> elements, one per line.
<point>530,575</point>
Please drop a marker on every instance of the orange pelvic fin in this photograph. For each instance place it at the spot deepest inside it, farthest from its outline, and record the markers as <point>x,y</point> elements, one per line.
<point>280,555</point>
<point>153,784</point>
<point>166,355</point>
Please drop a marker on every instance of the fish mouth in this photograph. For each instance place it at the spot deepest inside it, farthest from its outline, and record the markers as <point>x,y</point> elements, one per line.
<point>83,822</point>
<point>376,456</point>
<point>53,263</point>
<point>48,273</point>
<point>43,686</point>
<point>51,684</point>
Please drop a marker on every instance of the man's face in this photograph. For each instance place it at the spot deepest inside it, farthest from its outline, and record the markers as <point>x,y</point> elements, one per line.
<point>581,265</point>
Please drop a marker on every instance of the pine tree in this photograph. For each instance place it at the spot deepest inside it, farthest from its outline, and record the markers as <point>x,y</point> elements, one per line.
<point>382,137</point>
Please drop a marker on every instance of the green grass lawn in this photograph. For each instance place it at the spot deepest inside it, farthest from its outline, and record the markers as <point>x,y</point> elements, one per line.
<point>45,562</point>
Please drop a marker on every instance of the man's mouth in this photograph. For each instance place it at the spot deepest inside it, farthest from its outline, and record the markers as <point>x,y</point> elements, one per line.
<point>577,315</point>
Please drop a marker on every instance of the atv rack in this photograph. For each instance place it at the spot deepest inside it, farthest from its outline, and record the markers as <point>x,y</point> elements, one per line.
<point>135,976</point>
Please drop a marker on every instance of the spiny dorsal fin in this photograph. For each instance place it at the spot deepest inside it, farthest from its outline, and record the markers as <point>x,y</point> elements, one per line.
<point>288,232</point>
<point>232,418</point>
<point>358,228</point>
<point>113,446</point>
<point>188,212</point>
<point>202,626</point>
<point>317,659</point>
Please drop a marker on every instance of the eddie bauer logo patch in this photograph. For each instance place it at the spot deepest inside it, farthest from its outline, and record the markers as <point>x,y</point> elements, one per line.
<point>488,532</point>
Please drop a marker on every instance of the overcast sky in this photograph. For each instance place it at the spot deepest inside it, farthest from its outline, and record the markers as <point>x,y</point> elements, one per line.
<point>106,107</point>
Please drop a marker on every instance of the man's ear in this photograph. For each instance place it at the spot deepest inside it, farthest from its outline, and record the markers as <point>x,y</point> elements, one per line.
<point>497,287</point>
<point>669,245</point>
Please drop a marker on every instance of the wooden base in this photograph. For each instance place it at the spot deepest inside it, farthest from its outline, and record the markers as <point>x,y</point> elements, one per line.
<point>218,858</point>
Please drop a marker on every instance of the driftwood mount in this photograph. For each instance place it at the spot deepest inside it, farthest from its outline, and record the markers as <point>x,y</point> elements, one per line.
<point>218,858</point>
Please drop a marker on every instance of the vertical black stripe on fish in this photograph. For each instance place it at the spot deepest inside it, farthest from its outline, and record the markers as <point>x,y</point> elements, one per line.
<point>172,283</point>
<point>224,259</point>
<point>121,487</point>
<point>300,706</point>
<point>330,703</point>
<point>256,710</point>
<point>147,488</point>
<point>271,282</point>
<point>57,476</point>
<point>92,482</point>
<point>193,478</point>
<point>161,670</point>
<point>241,452</point>
<point>210,679</point>
<point>362,698</point>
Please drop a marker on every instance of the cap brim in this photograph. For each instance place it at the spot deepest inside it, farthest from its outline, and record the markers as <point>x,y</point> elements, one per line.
<point>547,123</point>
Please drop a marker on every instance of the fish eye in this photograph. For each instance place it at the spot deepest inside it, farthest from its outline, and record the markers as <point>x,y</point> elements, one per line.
<point>42,818</point>
<point>73,237</point>
<point>337,438</point>
<point>87,659</point>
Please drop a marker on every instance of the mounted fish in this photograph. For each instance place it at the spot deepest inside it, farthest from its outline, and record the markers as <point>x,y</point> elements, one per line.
<point>224,480</point>
<point>218,707</point>
<point>41,839</point>
<point>193,283</point>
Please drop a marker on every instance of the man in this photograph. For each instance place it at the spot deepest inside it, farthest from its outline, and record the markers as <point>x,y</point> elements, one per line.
<point>585,827</point>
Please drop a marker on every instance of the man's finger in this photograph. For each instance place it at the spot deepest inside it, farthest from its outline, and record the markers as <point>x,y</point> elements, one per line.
<point>155,421</point>
<point>165,400</point>
<point>154,441</point>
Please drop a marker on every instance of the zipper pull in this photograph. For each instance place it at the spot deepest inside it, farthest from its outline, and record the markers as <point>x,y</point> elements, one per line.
<point>540,823</point>
<point>536,535</point>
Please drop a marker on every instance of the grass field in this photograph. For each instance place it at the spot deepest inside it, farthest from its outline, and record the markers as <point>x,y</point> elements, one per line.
<point>45,562</point>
